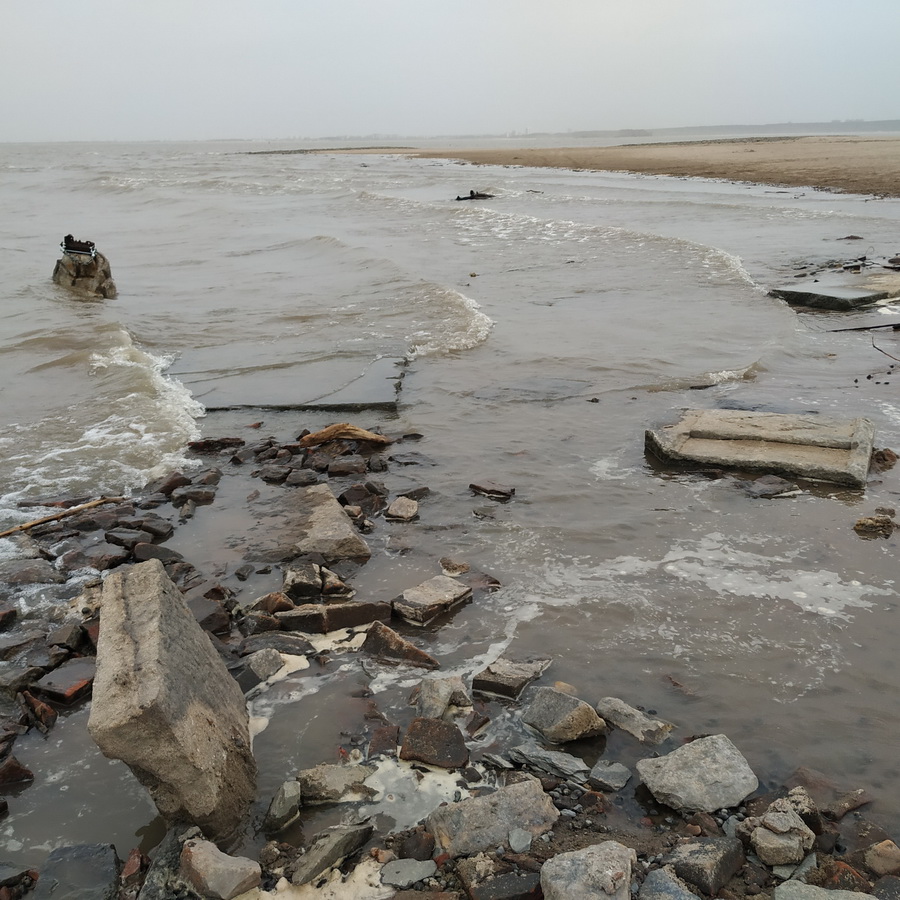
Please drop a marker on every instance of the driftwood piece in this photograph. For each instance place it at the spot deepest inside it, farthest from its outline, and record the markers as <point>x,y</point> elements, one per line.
<point>25,526</point>
<point>343,431</point>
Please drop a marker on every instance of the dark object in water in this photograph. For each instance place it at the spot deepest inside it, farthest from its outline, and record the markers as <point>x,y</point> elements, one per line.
<point>476,195</point>
<point>78,248</point>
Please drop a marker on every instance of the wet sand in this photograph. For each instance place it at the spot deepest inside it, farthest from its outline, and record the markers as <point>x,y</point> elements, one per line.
<point>860,165</point>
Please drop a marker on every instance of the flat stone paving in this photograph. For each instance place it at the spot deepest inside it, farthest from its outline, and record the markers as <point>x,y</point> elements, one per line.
<point>805,446</point>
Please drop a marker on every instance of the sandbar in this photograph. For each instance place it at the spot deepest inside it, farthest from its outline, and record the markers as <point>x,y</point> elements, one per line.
<point>852,164</point>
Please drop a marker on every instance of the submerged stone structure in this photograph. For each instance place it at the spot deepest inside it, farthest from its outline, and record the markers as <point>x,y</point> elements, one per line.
<point>84,272</point>
<point>165,704</point>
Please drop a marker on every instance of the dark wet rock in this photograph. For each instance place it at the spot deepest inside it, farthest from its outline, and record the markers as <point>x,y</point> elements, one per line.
<point>492,490</point>
<point>327,849</point>
<point>215,445</point>
<point>333,587</point>
<point>284,808</point>
<point>561,718</point>
<point>17,879</point>
<point>707,863</point>
<point>837,875</point>
<point>70,636</point>
<point>104,556</point>
<point>143,552</point>
<point>14,677</point>
<point>664,884</point>
<point>707,774</point>
<point>274,474</point>
<point>8,616</point>
<point>387,646</point>
<point>302,581</point>
<point>403,873</point>
<point>327,530</point>
<point>846,802</point>
<point>646,729</point>
<point>301,478</point>
<point>484,823</point>
<point>708,826</point>
<point>420,605</point>
<point>258,623</point>
<point>384,741</point>
<point>28,571</point>
<point>602,870</point>
<point>318,618</point>
<point>69,682</point>
<point>485,878</point>
<point>347,465</point>
<point>609,776</point>
<point>81,872</point>
<point>200,494</point>
<point>334,783</point>
<point>210,616</point>
<point>170,482</point>
<point>875,526</point>
<point>216,875</point>
<point>435,743</point>
<point>887,888</point>
<point>127,537</point>
<point>768,486</point>
<point>12,772</point>
<point>840,297</point>
<point>411,458</point>
<point>272,603</point>
<point>164,704</point>
<point>507,677</point>
<point>414,844</point>
<point>13,643</point>
<point>370,497</point>
<point>288,644</point>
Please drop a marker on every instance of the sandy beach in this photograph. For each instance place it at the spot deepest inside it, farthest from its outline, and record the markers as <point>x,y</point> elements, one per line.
<point>860,165</point>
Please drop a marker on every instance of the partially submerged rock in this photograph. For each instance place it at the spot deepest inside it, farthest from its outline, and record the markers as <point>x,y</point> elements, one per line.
<point>83,272</point>
<point>334,783</point>
<point>388,647</point>
<point>165,704</point>
<point>561,718</point>
<point>508,677</point>
<point>420,605</point>
<point>327,849</point>
<point>618,713</point>
<point>824,296</point>
<point>484,823</point>
<point>707,774</point>
<point>815,447</point>
<point>215,874</point>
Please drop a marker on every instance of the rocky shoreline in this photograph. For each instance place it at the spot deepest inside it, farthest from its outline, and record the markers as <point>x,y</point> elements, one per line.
<point>521,815</point>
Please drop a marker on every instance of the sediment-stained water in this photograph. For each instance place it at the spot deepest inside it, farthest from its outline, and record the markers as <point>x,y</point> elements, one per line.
<point>544,330</point>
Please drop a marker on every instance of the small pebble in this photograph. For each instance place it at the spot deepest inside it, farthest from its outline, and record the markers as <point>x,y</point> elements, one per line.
<point>570,813</point>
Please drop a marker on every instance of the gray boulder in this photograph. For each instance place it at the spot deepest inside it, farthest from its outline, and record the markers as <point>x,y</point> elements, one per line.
<point>334,782</point>
<point>165,704</point>
<point>327,849</point>
<point>403,873</point>
<point>508,677</point>
<point>484,823</point>
<point>216,875</point>
<point>553,762</point>
<point>664,884</point>
<point>708,863</point>
<point>560,717</point>
<point>602,870</point>
<point>618,713</point>
<point>327,529</point>
<point>782,837</point>
<point>284,808</point>
<point>609,776</point>
<point>705,775</point>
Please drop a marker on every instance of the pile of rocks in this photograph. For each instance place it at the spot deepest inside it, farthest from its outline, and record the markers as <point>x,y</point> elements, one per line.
<point>527,819</point>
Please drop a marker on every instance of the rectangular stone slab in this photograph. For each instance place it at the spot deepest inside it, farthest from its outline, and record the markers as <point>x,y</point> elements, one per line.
<point>419,605</point>
<point>820,448</point>
<point>837,297</point>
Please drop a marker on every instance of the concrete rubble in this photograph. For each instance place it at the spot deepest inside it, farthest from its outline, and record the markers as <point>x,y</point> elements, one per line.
<point>499,812</point>
<point>819,448</point>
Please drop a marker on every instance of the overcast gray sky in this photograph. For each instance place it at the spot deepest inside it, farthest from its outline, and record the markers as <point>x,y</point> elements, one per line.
<point>198,69</point>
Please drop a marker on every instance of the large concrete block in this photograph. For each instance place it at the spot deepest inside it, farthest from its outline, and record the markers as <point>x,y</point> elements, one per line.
<point>815,447</point>
<point>165,704</point>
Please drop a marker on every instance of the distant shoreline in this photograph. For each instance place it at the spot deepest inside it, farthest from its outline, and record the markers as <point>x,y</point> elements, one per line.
<point>852,164</point>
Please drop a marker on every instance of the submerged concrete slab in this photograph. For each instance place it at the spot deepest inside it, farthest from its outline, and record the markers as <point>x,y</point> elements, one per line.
<point>815,447</point>
<point>824,296</point>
